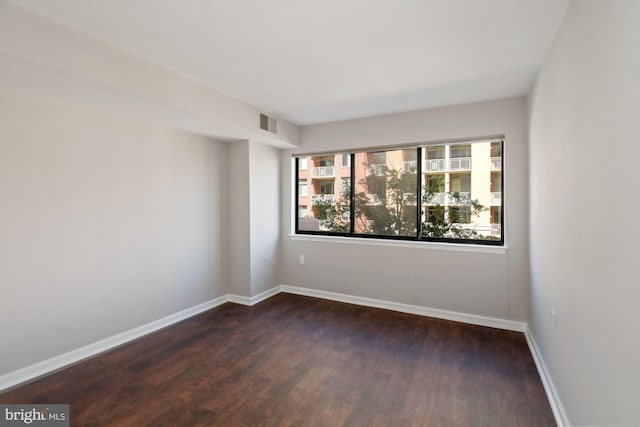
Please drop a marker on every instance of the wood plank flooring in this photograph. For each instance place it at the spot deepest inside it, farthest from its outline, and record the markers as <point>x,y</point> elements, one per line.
<point>300,361</point>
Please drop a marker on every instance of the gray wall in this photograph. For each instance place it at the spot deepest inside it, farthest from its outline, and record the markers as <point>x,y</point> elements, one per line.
<point>238,236</point>
<point>253,217</point>
<point>265,216</point>
<point>106,223</point>
<point>584,143</point>
<point>490,284</point>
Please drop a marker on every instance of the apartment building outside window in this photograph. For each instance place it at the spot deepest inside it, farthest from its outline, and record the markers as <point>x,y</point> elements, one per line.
<point>444,192</point>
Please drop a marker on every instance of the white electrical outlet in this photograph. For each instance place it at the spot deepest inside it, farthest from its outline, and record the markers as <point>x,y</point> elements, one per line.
<point>553,320</point>
<point>301,259</point>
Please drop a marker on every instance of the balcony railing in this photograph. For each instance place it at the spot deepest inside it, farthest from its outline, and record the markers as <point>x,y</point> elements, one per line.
<point>496,198</point>
<point>435,165</point>
<point>322,172</point>
<point>409,199</point>
<point>322,198</point>
<point>496,229</point>
<point>459,163</point>
<point>374,200</point>
<point>462,199</point>
<point>376,169</point>
<point>410,165</point>
<point>436,199</point>
<point>496,163</point>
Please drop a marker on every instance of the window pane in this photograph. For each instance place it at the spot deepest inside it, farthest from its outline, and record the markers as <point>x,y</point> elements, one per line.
<point>462,191</point>
<point>346,186</point>
<point>346,160</point>
<point>302,188</point>
<point>458,151</point>
<point>322,189</point>
<point>385,193</point>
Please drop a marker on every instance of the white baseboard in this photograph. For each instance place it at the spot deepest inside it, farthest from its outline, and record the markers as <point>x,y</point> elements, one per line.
<point>473,319</point>
<point>55,363</point>
<point>552,394</point>
<point>238,299</point>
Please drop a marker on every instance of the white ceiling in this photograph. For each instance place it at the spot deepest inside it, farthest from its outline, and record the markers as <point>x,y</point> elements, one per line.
<point>325,60</point>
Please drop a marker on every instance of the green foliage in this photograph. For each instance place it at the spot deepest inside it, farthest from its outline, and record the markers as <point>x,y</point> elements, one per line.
<point>392,207</point>
<point>464,208</point>
<point>331,214</point>
<point>388,207</point>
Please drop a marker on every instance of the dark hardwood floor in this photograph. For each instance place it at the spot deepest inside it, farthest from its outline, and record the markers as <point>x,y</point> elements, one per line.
<point>300,361</point>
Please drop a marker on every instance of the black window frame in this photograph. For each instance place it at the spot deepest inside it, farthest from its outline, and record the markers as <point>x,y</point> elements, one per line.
<point>419,237</point>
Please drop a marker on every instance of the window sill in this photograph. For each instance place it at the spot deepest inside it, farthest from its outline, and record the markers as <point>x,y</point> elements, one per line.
<point>456,247</point>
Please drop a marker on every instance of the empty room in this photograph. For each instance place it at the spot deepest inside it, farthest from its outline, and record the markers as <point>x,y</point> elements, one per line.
<point>329,213</point>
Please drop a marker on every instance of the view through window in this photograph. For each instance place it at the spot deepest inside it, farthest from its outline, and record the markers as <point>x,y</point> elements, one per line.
<point>445,192</point>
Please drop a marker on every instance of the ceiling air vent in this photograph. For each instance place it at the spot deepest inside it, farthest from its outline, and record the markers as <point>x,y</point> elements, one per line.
<point>268,123</point>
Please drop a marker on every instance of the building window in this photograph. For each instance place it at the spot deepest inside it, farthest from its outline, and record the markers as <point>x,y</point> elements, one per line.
<point>326,188</point>
<point>303,163</point>
<point>346,160</point>
<point>346,186</point>
<point>459,215</point>
<point>460,151</point>
<point>444,192</point>
<point>302,188</point>
<point>434,213</point>
<point>496,215</point>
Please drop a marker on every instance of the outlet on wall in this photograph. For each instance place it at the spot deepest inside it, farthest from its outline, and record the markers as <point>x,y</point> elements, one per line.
<point>301,259</point>
<point>553,320</point>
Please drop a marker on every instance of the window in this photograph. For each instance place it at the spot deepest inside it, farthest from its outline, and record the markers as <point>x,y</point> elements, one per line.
<point>324,160</point>
<point>434,213</point>
<point>346,186</point>
<point>459,215</point>
<point>496,221</point>
<point>460,183</point>
<point>435,183</point>
<point>435,152</point>
<point>302,188</point>
<point>496,214</point>
<point>445,192</point>
<point>346,160</point>
<point>496,182</point>
<point>459,151</point>
<point>326,188</point>
<point>496,150</point>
